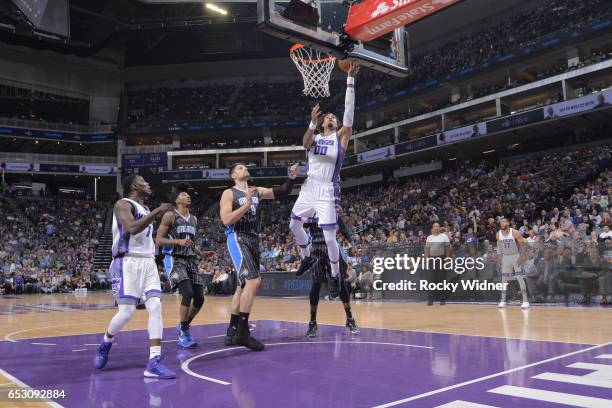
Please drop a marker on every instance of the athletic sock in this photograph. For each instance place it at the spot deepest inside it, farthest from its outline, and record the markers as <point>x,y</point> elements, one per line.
<point>185,326</point>
<point>347,310</point>
<point>244,322</point>
<point>108,339</point>
<point>234,319</point>
<point>313,314</point>
<point>154,351</point>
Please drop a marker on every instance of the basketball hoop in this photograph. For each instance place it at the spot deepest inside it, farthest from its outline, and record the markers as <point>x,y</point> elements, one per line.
<point>315,67</point>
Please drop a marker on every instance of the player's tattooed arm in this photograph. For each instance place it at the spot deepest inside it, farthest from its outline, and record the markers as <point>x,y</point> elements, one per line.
<point>314,120</point>
<point>283,190</point>
<point>123,209</point>
<point>229,217</point>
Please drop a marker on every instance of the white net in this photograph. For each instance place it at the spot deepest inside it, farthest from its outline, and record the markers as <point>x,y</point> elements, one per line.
<point>315,67</point>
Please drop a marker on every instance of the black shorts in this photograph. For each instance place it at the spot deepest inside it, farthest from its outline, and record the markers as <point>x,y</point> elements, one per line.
<point>244,251</point>
<point>182,268</point>
<point>321,271</point>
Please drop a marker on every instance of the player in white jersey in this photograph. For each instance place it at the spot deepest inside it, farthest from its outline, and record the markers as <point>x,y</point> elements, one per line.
<point>326,143</point>
<point>134,272</point>
<point>510,244</point>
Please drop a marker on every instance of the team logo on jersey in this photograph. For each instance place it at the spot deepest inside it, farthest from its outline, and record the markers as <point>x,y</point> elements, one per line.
<point>116,286</point>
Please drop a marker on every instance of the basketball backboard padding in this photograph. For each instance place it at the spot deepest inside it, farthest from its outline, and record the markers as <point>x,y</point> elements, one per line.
<point>372,18</point>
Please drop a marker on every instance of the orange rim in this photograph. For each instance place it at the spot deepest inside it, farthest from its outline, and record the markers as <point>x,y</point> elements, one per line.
<point>296,47</point>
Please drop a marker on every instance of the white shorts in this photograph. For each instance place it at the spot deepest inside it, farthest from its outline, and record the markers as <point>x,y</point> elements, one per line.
<point>509,268</point>
<point>133,277</point>
<point>322,199</point>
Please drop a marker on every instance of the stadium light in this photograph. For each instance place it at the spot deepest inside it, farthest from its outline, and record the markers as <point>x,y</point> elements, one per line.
<point>489,151</point>
<point>216,9</point>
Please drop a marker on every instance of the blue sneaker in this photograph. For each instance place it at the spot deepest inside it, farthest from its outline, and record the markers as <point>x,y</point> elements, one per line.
<point>101,357</point>
<point>184,338</point>
<point>155,369</point>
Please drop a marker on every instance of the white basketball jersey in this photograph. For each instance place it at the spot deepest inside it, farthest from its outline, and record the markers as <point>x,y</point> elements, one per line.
<point>140,244</point>
<point>325,158</point>
<point>507,243</point>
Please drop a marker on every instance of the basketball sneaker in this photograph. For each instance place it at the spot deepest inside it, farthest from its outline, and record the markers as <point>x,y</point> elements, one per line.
<point>230,336</point>
<point>155,369</point>
<point>501,305</point>
<point>101,357</point>
<point>525,305</point>
<point>184,338</point>
<point>352,326</point>
<point>305,265</point>
<point>312,330</point>
<point>244,338</point>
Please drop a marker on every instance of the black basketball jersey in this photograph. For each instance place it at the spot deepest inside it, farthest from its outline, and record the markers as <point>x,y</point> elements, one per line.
<point>249,222</point>
<point>182,228</point>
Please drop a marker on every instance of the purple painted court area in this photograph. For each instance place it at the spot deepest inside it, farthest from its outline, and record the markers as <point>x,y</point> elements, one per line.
<point>334,370</point>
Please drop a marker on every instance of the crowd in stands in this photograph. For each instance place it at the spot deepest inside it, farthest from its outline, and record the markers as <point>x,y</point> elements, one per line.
<point>284,101</point>
<point>51,249</point>
<point>559,202</point>
<point>34,105</point>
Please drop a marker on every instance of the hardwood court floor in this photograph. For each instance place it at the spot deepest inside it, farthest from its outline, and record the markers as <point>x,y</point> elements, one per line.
<point>34,316</point>
<point>419,356</point>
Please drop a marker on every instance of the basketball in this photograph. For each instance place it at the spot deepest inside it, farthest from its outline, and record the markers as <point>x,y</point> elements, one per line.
<point>344,64</point>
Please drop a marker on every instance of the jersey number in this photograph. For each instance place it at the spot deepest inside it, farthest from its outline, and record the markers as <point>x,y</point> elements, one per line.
<point>253,209</point>
<point>320,150</point>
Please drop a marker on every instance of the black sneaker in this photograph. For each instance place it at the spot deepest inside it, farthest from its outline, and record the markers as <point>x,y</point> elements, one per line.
<point>230,336</point>
<point>312,330</point>
<point>306,264</point>
<point>249,342</point>
<point>352,326</point>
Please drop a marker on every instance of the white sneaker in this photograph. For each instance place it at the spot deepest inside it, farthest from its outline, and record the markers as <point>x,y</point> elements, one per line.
<point>501,305</point>
<point>525,305</point>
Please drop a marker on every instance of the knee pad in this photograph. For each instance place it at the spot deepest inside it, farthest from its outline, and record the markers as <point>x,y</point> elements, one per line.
<point>126,312</point>
<point>186,292</point>
<point>198,296</point>
<point>153,305</point>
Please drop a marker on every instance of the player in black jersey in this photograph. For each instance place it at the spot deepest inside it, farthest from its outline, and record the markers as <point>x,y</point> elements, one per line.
<point>240,215</point>
<point>321,273</point>
<point>177,236</point>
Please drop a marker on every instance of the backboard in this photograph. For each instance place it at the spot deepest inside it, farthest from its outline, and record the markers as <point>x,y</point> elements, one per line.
<point>320,24</point>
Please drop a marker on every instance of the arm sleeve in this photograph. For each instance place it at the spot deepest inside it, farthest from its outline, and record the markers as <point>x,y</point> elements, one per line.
<point>283,190</point>
<point>349,104</point>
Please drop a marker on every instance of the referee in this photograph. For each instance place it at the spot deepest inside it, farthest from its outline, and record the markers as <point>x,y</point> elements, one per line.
<point>437,246</point>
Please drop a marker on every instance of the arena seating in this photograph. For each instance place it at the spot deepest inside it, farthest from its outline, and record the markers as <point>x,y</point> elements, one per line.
<point>283,101</point>
<point>51,250</point>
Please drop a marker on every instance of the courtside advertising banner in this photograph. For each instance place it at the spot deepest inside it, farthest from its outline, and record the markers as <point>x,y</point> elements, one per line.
<point>376,154</point>
<point>371,19</point>
<point>22,167</point>
<point>97,169</point>
<point>216,174</point>
<point>463,133</point>
<point>586,103</point>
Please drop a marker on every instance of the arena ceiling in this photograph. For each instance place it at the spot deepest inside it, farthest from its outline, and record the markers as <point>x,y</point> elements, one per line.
<point>153,32</point>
